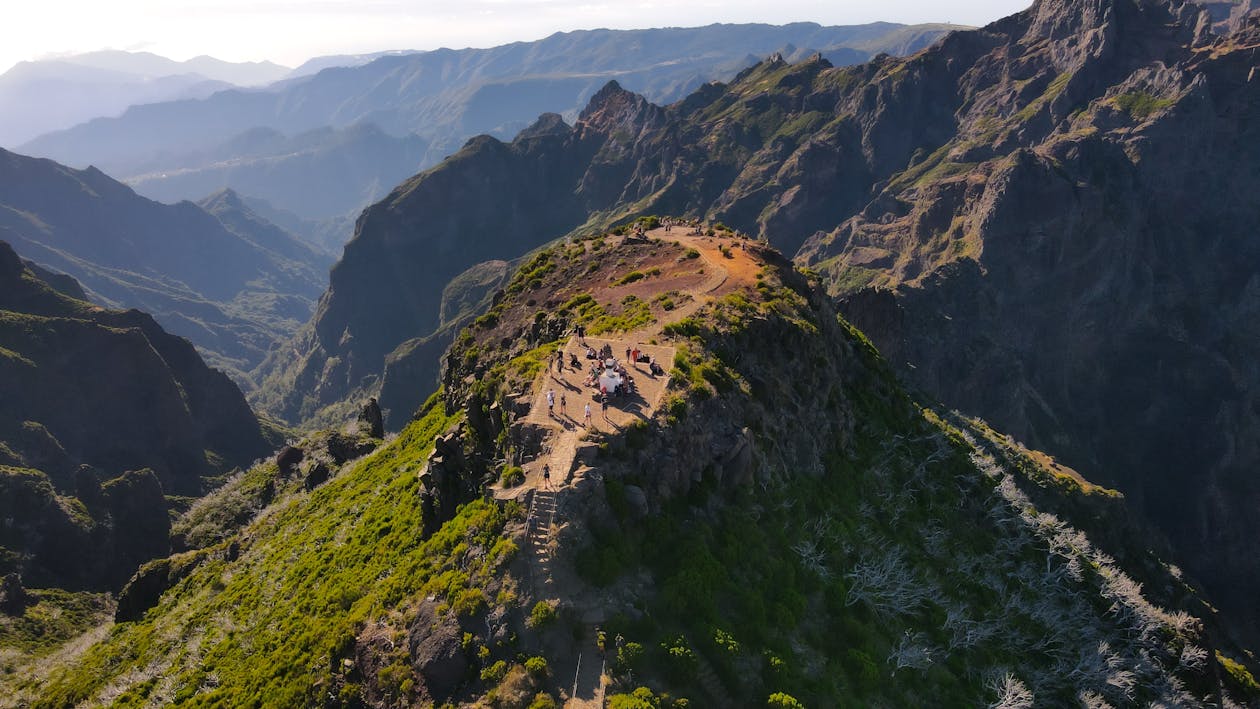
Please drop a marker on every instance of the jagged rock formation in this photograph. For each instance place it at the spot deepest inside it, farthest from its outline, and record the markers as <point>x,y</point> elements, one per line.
<point>1056,209</point>
<point>1076,263</point>
<point>89,395</point>
<point>233,287</point>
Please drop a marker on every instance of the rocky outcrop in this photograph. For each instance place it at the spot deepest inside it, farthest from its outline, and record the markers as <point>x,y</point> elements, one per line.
<point>146,587</point>
<point>371,420</point>
<point>1084,280</point>
<point>13,597</point>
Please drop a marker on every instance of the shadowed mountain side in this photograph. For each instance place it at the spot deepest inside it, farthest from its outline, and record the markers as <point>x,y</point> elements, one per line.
<point>90,394</point>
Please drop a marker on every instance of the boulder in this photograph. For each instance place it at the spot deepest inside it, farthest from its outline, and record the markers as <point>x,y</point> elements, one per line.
<point>13,598</point>
<point>287,460</point>
<point>372,420</point>
<point>437,652</point>
<point>342,447</point>
<point>317,476</point>
<point>150,581</point>
<point>637,500</point>
<point>143,591</point>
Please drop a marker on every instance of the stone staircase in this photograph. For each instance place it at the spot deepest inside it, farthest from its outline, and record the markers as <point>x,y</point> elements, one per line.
<point>708,680</point>
<point>542,517</point>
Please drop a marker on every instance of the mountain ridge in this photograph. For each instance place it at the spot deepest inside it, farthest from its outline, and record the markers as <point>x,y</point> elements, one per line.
<point>998,183</point>
<point>745,528</point>
<point>86,461</point>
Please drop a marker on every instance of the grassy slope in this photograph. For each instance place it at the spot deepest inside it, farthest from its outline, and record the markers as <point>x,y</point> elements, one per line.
<point>260,631</point>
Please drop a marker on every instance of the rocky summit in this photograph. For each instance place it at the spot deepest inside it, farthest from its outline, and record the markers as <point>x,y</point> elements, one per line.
<point>754,513</point>
<point>1045,222</point>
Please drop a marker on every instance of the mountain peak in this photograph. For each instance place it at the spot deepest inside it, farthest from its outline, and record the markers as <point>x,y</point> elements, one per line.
<point>547,124</point>
<point>613,107</point>
<point>611,92</point>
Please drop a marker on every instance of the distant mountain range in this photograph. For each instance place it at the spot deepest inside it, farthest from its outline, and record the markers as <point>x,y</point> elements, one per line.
<point>287,144</point>
<point>53,94</point>
<point>220,275</point>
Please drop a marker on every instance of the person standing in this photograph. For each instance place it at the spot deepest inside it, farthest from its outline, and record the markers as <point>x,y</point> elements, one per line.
<point>546,476</point>
<point>563,401</point>
<point>560,360</point>
<point>551,402</point>
<point>586,420</point>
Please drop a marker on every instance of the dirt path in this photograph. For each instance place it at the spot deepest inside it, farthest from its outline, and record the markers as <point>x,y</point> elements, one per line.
<point>726,267</point>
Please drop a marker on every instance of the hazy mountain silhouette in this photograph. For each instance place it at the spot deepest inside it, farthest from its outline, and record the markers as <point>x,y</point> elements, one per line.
<point>53,94</point>
<point>232,286</point>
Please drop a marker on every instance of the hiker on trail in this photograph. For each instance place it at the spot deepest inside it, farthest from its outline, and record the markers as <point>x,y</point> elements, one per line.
<point>581,333</point>
<point>634,356</point>
<point>586,421</point>
<point>562,403</point>
<point>546,476</point>
<point>551,401</point>
<point>627,353</point>
<point>604,405</point>
<point>559,360</point>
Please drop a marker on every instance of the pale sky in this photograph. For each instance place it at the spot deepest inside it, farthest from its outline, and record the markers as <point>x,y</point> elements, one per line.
<point>290,31</point>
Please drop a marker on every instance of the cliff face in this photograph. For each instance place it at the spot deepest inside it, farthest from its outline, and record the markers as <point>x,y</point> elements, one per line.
<point>1052,215</point>
<point>90,394</point>
<point>1083,272</point>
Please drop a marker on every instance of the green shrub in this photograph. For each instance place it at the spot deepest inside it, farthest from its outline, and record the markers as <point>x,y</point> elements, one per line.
<point>1239,674</point>
<point>691,253</point>
<point>629,655</point>
<point>687,327</point>
<point>494,673</point>
<point>681,663</point>
<point>512,476</point>
<point>641,698</point>
<point>542,615</point>
<point>676,406</point>
<point>630,277</point>
<point>1140,104</point>
<point>542,700</point>
<point>468,602</point>
<point>537,667</point>
<point>780,700</point>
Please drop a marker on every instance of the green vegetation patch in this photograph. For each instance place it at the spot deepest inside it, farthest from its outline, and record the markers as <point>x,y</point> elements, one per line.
<point>270,627</point>
<point>1140,104</point>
